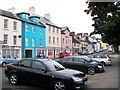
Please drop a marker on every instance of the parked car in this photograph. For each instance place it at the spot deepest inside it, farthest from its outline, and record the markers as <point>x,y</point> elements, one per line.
<point>82,63</point>
<point>62,55</point>
<point>6,60</point>
<point>104,59</point>
<point>46,72</point>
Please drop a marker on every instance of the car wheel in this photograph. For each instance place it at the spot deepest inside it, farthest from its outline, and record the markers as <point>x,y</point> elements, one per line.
<point>103,63</point>
<point>13,79</point>
<point>4,64</point>
<point>59,85</point>
<point>91,70</point>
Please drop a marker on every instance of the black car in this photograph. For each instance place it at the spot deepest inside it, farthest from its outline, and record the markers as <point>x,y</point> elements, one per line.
<point>45,72</point>
<point>82,63</point>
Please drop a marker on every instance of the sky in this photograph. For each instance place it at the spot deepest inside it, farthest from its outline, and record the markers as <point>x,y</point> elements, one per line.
<point>63,12</point>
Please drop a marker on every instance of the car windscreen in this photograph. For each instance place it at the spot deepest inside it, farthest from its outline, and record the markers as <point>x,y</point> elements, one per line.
<point>87,58</point>
<point>53,65</point>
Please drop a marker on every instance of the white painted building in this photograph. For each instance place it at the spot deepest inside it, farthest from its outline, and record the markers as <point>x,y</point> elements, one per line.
<point>10,34</point>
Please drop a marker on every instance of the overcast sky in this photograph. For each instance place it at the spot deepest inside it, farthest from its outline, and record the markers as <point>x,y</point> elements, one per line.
<point>63,12</point>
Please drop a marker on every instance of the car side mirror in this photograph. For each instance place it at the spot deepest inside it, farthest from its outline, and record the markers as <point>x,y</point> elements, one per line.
<point>44,70</point>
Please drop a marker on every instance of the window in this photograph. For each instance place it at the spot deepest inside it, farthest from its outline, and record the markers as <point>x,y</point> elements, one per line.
<point>40,30</point>
<point>33,42</point>
<point>26,63</point>
<point>50,52</point>
<point>41,42</point>
<point>63,40</point>
<point>5,38</point>
<point>49,28</point>
<point>26,27</point>
<point>33,29</point>
<point>15,26</point>
<point>57,40</point>
<point>57,31</point>
<point>49,39</point>
<point>27,41</point>
<point>5,23</point>
<point>14,40</point>
<point>70,41</point>
<point>68,59</point>
<point>53,29</point>
<point>38,65</point>
<point>53,40</point>
<point>80,60</point>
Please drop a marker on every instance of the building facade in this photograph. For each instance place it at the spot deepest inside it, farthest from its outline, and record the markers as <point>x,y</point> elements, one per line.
<point>33,36</point>
<point>66,40</point>
<point>53,37</point>
<point>10,34</point>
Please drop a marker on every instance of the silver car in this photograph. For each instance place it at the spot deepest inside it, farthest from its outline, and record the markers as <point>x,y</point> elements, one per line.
<point>104,59</point>
<point>6,60</point>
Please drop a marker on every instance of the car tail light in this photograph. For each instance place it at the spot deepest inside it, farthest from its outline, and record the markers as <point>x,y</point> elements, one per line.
<point>109,59</point>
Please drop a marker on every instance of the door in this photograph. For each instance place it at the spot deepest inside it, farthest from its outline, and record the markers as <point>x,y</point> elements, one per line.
<point>28,53</point>
<point>80,64</point>
<point>24,70</point>
<point>39,74</point>
<point>68,62</point>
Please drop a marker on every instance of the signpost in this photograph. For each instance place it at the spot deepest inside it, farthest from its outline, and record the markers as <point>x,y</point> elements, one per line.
<point>1,42</point>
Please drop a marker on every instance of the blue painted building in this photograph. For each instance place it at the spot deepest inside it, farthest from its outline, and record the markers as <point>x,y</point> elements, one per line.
<point>33,36</point>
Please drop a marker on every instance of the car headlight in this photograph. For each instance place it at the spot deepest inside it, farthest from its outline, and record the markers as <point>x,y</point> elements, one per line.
<point>99,66</point>
<point>76,79</point>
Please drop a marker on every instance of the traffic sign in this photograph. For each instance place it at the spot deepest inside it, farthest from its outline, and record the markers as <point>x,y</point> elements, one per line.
<point>1,42</point>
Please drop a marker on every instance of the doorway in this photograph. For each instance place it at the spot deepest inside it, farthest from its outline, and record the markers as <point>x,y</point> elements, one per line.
<point>28,53</point>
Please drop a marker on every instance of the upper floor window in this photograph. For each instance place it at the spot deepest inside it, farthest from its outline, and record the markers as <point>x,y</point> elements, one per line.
<point>63,40</point>
<point>57,31</point>
<point>40,30</point>
<point>33,41</point>
<point>33,29</point>
<point>5,38</point>
<point>26,27</point>
<point>49,28</point>
<point>5,23</point>
<point>49,39</point>
<point>27,41</point>
<point>41,42</point>
<point>53,40</point>
<point>26,16</point>
<point>53,29</point>
<point>15,26</point>
<point>14,40</point>
<point>57,40</point>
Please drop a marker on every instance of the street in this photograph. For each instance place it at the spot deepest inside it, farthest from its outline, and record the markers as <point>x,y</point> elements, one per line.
<point>108,79</point>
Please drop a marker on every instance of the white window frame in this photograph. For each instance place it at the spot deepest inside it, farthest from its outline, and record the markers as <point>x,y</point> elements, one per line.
<point>27,41</point>
<point>5,23</point>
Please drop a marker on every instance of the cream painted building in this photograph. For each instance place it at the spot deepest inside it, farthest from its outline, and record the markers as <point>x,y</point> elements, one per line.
<point>10,34</point>
<point>53,37</point>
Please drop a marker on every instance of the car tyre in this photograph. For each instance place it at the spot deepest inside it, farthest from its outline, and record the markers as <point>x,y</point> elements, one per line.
<point>4,64</point>
<point>59,85</point>
<point>103,63</point>
<point>91,70</point>
<point>13,78</point>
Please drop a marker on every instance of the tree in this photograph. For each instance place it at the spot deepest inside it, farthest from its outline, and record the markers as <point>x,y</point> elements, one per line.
<point>106,17</point>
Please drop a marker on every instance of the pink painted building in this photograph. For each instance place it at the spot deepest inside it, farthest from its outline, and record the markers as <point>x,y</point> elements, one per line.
<point>66,40</point>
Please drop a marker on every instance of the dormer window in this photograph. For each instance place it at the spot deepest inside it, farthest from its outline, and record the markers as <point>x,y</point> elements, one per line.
<point>26,16</point>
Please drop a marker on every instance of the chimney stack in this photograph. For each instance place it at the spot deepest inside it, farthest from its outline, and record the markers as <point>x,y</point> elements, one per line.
<point>12,10</point>
<point>31,10</point>
<point>47,16</point>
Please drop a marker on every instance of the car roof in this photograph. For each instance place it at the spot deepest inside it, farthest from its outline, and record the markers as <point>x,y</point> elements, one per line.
<point>38,59</point>
<point>80,56</point>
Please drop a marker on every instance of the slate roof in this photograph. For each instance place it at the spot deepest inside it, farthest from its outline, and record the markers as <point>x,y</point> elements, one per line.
<point>29,21</point>
<point>75,40</point>
<point>48,22</point>
<point>8,14</point>
<point>64,28</point>
<point>14,16</point>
